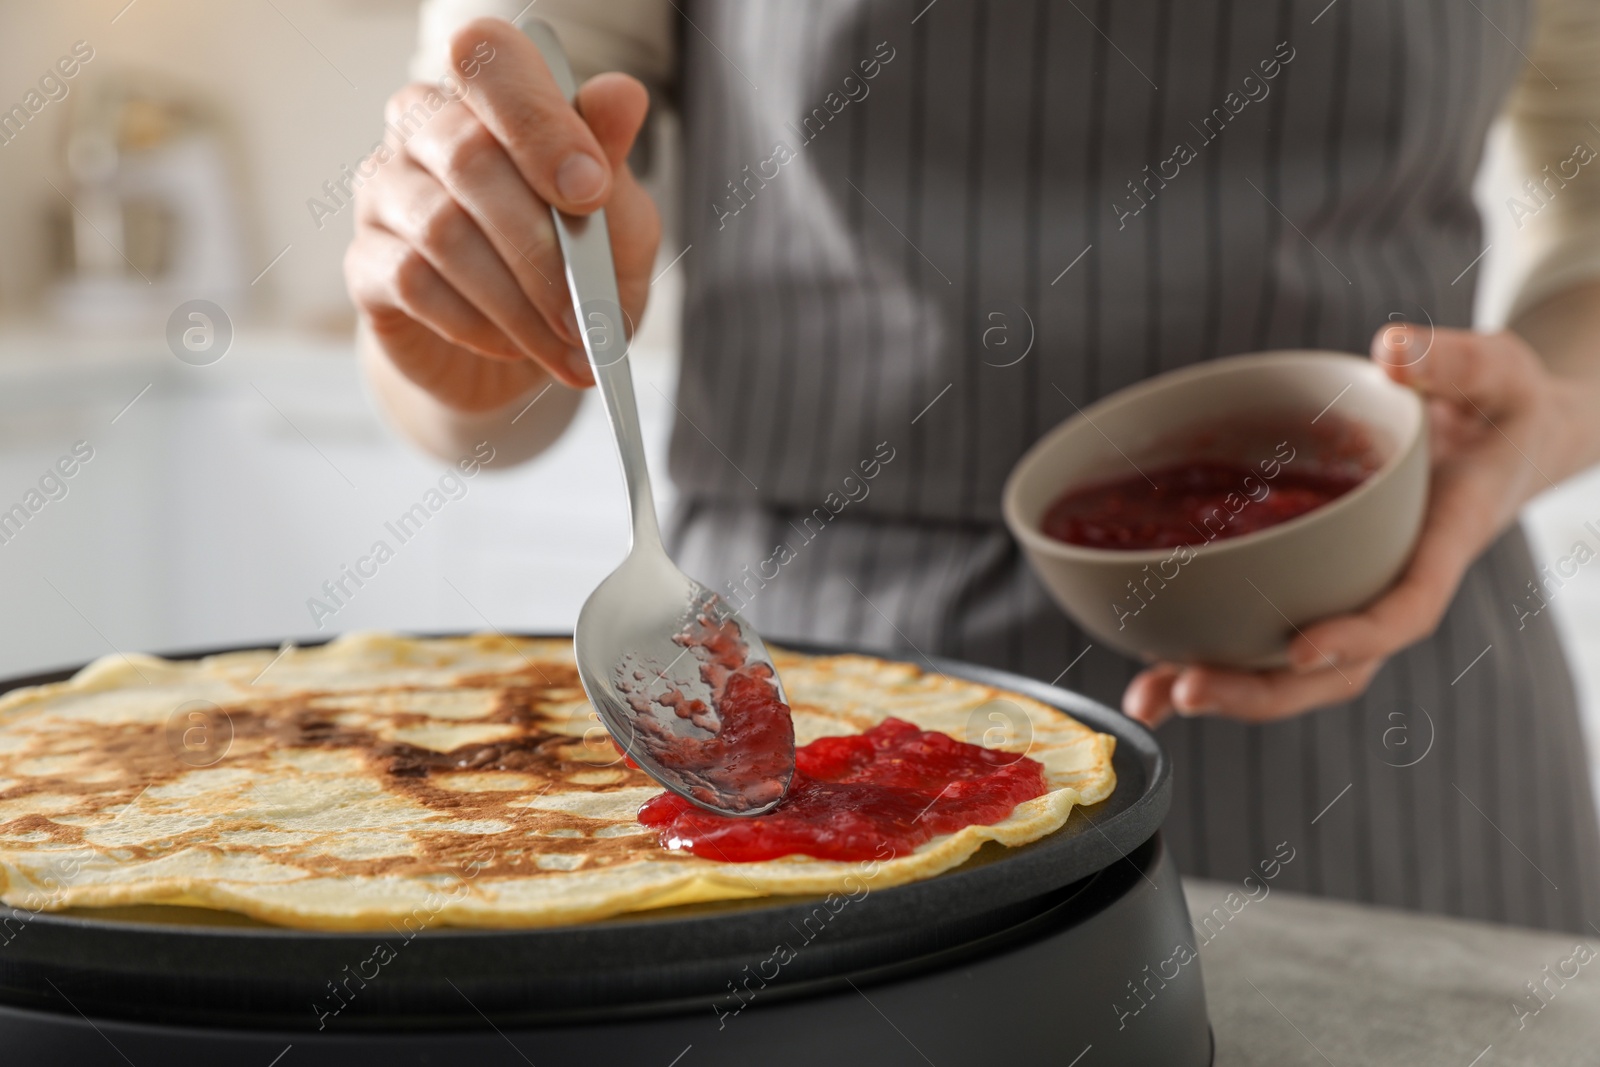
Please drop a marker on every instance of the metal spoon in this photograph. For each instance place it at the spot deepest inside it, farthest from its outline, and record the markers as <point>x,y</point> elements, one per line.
<point>650,632</point>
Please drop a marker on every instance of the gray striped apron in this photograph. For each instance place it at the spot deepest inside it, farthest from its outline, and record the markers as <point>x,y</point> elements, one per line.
<point>921,233</point>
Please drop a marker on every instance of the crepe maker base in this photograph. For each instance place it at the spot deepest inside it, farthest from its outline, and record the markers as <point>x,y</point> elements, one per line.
<point>1029,955</point>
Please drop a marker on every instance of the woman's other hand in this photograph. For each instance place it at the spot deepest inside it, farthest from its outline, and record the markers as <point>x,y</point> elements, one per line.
<point>1502,429</point>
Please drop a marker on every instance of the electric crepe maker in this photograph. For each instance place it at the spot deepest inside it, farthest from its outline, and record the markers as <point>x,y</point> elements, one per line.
<point>1030,955</point>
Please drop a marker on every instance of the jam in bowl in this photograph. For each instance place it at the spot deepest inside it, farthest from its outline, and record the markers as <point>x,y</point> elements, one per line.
<point>1204,515</point>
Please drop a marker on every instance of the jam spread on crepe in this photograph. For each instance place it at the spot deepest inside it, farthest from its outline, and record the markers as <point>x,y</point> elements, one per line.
<point>893,785</point>
<point>1189,504</point>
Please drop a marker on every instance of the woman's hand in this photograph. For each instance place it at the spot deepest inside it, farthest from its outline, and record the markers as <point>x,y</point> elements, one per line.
<point>455,264</point>
<point>1502,429</point>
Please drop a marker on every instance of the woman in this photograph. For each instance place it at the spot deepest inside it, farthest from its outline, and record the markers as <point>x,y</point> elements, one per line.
<point>872,188</point>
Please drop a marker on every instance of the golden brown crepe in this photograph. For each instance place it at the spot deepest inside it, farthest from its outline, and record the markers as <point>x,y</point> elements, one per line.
<point>389,781</point>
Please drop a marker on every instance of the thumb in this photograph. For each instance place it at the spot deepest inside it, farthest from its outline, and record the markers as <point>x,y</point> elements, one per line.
<point>614,106</point>
<point>1487,371</point>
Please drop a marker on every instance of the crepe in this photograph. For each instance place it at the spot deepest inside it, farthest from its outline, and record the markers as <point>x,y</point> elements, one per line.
<point>390,782</point>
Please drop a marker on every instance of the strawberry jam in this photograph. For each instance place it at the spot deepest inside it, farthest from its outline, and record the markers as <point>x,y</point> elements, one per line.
<point>742,748</point>
<point>1190,504</point>
<point>894,786</point>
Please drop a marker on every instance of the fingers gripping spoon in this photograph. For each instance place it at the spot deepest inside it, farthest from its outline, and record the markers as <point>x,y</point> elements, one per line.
<point>684,686</point>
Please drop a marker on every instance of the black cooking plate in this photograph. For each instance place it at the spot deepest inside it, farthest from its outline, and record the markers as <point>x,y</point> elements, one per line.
<point>180,965</point>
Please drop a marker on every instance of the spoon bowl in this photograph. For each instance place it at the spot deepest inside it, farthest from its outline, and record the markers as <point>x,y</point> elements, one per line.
<point>648,643</point>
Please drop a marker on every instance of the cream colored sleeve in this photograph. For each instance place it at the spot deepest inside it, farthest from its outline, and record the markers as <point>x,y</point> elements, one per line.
<point>1553,112</point>
<point>633,36</point>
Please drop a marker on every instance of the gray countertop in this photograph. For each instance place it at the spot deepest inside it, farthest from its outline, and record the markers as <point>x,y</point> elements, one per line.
<point>1292,980</point>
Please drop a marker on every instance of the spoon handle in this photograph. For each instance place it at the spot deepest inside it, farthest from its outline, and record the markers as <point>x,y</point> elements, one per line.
<point>592,281</point>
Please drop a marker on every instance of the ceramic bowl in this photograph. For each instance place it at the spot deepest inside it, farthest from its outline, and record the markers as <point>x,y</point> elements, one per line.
<point>1233,601</point>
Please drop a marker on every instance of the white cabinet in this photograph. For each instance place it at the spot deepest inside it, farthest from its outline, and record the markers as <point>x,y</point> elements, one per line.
<point>218,504</point>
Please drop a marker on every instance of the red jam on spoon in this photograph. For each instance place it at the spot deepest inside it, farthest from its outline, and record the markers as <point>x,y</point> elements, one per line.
<point>740,746</point>
<point>894,786</point>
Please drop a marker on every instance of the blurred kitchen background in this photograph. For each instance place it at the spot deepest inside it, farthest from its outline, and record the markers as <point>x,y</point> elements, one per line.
<point>178,166</point>
<point>175,164</point>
